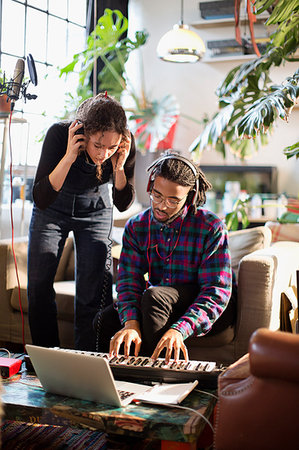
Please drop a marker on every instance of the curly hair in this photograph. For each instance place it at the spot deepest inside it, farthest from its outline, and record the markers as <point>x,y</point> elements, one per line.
<point>102,113</point>
<point>179,172</point>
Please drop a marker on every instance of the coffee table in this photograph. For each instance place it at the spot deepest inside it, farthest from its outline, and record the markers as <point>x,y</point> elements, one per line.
<point>176,428</point>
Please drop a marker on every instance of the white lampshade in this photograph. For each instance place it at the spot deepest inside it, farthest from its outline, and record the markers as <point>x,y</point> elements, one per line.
<point>181,45</point>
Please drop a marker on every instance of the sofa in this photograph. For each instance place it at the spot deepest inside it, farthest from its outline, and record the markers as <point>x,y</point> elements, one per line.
<point>263,270</point>
<point>11,312</point>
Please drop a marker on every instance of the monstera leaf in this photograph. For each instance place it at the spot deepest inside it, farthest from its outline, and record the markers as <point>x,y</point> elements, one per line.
<point>106,42</point>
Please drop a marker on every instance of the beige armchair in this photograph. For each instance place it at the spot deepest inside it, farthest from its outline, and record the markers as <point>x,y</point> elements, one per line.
<point>264,272</point>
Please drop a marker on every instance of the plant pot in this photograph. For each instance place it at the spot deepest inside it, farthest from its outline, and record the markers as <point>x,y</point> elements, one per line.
<point>4,105</point>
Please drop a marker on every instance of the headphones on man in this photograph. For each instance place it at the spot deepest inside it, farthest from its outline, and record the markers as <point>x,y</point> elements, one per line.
<point>154,166</point>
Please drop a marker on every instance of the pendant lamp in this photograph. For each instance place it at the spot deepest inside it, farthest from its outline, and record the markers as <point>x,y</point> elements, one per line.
<point>180,44</point>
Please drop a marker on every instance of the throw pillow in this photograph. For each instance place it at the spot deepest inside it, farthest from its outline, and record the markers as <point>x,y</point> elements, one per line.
<point>243,242</point>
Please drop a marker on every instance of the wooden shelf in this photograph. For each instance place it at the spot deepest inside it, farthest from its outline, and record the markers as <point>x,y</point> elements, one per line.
<point>211,23</point>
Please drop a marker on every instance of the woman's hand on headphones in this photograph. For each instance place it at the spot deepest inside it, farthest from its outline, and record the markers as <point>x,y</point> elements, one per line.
<point>76,141</point>
<point>120,156</point>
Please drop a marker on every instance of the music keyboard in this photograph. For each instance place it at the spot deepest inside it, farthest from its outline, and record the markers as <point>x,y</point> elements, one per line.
<point>141,368</point>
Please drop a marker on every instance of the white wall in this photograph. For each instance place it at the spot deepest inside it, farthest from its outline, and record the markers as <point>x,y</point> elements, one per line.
<point>194,86</point>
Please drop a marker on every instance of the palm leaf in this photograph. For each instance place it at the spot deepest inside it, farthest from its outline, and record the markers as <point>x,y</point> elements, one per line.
<point>264,111</point>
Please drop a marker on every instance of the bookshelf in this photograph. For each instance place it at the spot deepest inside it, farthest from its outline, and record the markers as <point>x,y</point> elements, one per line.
<point>212,26</point>
<point>227,22</point>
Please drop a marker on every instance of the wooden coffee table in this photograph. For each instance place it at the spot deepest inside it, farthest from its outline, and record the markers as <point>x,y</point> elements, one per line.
<point>176,428</point>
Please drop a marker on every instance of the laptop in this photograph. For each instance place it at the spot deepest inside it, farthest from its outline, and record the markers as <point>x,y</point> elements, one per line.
<point>87,377</point>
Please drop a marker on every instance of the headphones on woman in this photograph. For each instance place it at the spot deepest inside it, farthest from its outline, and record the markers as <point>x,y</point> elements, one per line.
<point>155,165</point>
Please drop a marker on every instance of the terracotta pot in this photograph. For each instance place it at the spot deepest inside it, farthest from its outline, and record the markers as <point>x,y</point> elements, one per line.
<point>4,104</point>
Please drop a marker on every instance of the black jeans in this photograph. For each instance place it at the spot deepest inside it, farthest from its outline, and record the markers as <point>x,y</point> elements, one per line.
<point>161,306</point>
<point>90,221</point>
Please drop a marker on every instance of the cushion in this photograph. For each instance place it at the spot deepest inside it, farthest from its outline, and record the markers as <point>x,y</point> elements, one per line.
<point>65,293</point>
<point>243,242</point>
<point>284,231</point>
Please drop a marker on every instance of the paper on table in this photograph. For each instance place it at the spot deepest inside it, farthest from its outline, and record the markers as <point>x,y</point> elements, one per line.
<point>167,393</point>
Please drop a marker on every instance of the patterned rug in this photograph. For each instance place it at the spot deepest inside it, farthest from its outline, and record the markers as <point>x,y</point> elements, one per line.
<point>25,436</point>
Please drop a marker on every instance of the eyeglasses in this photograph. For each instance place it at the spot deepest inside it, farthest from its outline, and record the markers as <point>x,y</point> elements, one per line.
<point>169,202</point>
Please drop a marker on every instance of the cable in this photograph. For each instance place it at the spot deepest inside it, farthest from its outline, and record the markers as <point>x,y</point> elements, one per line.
<point>105,283</point>
<point>7,351</point>
<point>171,405</point>
<point>12,230</point>
<point>206,393</point>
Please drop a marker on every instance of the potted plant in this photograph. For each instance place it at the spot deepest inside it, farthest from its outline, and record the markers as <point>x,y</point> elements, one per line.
<point>4,100</point>
<point>153,120</point>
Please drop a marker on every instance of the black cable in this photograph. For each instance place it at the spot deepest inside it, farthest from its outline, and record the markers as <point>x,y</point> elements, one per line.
<point>105,283</point>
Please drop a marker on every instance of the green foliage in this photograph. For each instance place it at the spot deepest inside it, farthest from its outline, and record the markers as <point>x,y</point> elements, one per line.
<point>239,210</point>
<point>248,103</point>
<point>278,102</point>
<point>106,42</point>
<point>292,150</point>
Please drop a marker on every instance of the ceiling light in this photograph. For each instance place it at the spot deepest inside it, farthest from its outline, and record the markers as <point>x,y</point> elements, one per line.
<point>181,44</point>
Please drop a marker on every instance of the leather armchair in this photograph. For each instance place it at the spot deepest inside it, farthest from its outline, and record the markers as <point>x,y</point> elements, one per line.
<point>258,404</point>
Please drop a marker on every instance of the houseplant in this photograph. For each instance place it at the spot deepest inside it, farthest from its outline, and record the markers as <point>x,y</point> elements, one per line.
<point>4,100</point>
<point>151,119</point>
<point>248,103</point>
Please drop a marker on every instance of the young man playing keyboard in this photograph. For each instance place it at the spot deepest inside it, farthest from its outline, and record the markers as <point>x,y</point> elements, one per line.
<point>174,277</point>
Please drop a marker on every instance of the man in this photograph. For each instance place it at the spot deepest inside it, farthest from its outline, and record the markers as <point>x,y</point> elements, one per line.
<point>182,250</point>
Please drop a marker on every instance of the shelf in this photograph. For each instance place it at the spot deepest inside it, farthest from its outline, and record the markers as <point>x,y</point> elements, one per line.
<point>216,59</point>
<point>211,23</point>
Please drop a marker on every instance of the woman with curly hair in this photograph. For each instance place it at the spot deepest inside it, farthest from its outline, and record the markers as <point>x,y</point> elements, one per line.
<point>71,194</point>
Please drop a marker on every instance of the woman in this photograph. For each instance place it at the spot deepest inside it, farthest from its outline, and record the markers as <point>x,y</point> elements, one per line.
<point>71,193</point>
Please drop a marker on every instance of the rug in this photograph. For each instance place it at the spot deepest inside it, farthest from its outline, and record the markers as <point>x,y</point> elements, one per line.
<point>27,436</point>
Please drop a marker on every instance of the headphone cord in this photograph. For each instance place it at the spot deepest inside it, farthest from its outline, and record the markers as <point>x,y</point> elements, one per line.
<point>105,284</point>
<point>156,245</point>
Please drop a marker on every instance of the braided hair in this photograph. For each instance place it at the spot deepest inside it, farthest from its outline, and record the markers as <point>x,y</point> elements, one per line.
<point>179,172</point>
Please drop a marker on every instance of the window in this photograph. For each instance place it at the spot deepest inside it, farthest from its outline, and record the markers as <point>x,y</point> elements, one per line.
<point>52,31</point>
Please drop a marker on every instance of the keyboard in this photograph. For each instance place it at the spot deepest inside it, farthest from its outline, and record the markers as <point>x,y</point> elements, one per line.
<point>144,369</point>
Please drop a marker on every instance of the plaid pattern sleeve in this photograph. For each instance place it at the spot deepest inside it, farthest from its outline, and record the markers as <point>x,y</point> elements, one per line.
<point>132,268</point>
<point>193,252</point>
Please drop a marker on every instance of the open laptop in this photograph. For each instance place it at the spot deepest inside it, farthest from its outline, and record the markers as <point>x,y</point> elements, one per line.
<point>90,378</point>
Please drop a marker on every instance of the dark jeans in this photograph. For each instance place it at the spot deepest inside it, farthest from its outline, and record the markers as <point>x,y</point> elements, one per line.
<point>161,306</point>
<point>48,231</point>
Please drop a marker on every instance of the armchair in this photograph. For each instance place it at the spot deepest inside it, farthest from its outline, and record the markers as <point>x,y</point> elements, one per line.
<point>258,396</point>
<point>264,272</point>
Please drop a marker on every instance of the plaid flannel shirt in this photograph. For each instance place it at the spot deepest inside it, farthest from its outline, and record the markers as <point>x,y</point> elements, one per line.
<point>194,251</point>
